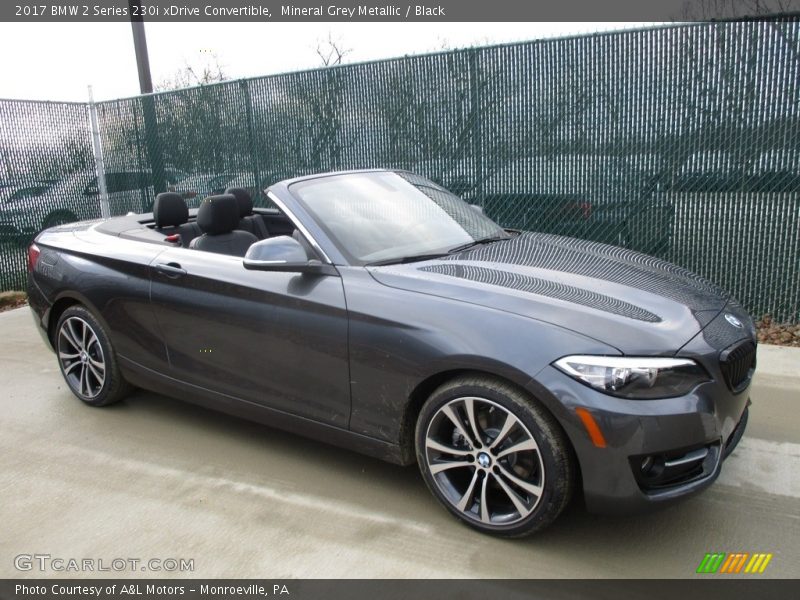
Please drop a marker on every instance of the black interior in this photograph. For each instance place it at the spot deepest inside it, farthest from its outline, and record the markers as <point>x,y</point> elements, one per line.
<point>248,221</point>
<point>218,218</point>
<point>171,216</point>
<point>171,223</point>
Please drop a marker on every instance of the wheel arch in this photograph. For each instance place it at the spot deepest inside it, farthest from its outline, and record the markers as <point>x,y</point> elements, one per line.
<point>423,390</point>
<point>62,303</point>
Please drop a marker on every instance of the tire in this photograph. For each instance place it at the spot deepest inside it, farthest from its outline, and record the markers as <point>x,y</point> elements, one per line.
<point>475,480</point>
<point>87,360</point>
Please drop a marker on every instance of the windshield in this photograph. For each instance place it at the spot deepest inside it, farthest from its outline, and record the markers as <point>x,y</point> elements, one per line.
<point>384,216</point>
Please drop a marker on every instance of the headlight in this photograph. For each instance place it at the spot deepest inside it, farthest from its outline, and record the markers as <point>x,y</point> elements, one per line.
<point>631,377</point>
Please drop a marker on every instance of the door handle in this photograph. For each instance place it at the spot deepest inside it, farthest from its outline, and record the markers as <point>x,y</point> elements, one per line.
<point>171,270</point>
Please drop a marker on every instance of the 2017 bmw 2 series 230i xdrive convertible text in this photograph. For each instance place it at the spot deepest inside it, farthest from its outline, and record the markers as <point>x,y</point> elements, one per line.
<point>377,311</point>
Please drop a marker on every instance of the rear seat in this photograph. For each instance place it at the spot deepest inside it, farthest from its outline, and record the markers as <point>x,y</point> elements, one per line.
<point>172,216</point>
<point>248,221</point>
<point>262,226</point>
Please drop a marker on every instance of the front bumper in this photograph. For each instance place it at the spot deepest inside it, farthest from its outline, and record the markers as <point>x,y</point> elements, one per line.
<point>691,434</point>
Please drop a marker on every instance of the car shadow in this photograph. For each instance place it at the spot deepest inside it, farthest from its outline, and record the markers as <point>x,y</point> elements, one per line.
<point>217,445</point>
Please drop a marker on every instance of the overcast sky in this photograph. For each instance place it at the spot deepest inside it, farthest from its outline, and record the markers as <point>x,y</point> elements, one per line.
<point>57,61</point>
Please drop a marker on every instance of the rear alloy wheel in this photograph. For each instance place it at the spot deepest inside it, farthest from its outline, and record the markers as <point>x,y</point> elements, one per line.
<point>87,360</point>
<point>495,459</point>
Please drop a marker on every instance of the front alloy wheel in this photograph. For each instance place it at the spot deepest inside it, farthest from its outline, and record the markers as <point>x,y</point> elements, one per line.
<point>488,452</point>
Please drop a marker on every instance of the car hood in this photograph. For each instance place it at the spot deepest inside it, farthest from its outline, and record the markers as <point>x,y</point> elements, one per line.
<point>636,303</point>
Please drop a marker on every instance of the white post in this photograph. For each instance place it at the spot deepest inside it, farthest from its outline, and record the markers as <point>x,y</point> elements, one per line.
<point>100,168</point>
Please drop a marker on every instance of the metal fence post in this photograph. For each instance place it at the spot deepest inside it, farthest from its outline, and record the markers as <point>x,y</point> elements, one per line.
<point>99,167</point>
<point>477,123</point>
<point>151,133</point>
<point>254,148</point>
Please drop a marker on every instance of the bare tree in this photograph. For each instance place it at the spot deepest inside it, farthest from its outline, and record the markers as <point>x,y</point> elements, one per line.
<point>316,117</point>
<point>707,10</point>
<point>195,110</point>
<point>332,52</point>
<point>717,92</point>
<point>203,72</point>
<point>450,122</point>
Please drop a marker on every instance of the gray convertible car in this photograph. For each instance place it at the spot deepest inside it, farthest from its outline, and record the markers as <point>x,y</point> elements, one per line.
<point>377,311</point>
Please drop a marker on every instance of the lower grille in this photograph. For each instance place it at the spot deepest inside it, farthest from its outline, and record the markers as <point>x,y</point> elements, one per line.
<point>738,362</point>
<point>660,472</point>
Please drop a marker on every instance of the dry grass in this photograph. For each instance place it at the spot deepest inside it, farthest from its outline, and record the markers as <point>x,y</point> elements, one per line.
<point>9,300</point>
<point>781,334</point>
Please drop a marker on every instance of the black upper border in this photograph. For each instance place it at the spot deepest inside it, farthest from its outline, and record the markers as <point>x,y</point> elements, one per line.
<point>631,11</point>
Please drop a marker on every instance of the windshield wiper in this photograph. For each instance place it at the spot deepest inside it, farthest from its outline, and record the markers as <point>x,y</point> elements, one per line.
<point>420,257</point>
<point>486,240</point>
<point>406,259</point>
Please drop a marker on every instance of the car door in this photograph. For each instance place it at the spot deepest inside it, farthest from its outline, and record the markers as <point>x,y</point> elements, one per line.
<point>271,338</point>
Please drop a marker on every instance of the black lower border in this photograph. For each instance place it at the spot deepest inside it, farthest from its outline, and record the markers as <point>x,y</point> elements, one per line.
<point>708,588</point>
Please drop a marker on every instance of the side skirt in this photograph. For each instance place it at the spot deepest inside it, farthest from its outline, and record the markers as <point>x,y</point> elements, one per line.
<point>158,383</point>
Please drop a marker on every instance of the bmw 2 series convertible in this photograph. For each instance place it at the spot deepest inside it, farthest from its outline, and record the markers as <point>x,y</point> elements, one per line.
<point>377,311</point>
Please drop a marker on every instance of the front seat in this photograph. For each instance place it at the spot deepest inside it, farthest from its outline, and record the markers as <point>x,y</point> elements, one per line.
<point>172,216</point>
<point>247,220</point>
<point>218,218</point>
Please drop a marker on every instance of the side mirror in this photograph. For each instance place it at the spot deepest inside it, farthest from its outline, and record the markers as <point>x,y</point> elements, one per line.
<point>283,253</point>
<point>477,208</point>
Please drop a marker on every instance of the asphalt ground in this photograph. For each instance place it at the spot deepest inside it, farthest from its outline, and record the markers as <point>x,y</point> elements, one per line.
<point>154,478</point>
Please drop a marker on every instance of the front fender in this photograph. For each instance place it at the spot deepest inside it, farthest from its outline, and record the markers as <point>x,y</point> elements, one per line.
<point>399,339</point>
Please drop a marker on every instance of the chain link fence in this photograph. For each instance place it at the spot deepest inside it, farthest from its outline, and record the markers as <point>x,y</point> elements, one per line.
<point>682,142</point>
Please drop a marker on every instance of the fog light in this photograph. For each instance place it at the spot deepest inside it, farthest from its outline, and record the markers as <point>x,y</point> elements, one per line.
<point>652,467</point>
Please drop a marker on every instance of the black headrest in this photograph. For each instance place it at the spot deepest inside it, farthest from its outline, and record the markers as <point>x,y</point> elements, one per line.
<point>243,199</point>
<point>170,210</point>
<point>218,214</point>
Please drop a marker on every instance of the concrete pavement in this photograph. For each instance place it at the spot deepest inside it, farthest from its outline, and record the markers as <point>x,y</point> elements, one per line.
<point>153,478</point>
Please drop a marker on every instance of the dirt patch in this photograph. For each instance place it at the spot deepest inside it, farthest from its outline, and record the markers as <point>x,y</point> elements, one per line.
<point>780,334</point>
<point>9,300</point>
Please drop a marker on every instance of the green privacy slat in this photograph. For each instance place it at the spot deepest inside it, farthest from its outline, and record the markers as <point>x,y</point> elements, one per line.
<point>682,142</point>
